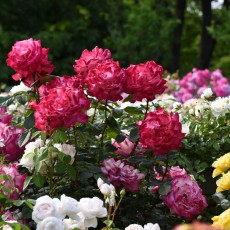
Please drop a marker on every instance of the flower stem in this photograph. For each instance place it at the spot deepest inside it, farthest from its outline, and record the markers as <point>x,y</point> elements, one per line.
<point>105,126</point>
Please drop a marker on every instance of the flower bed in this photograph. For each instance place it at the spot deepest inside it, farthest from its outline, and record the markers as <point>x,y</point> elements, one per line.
<point>107,149</point>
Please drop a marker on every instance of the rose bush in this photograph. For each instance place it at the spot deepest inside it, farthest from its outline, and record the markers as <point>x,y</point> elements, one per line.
<point>94,145</point>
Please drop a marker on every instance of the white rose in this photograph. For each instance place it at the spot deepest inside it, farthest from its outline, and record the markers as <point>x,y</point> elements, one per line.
<point>51,223</point>
<point>27,161</point>
<point>207,93</point>
<point>73,224</point>
<point>31,146</point>
<point>19,88</point>
<point>69,206</point>
<point>46,207</point>
<point>105,189</point>
<point>199,110</point>
<point>151,226</point>
<point>92,208</point>
<point>12,107</point>
<point>134,227</point>
<point>99,182</point>
<point>219,107</point>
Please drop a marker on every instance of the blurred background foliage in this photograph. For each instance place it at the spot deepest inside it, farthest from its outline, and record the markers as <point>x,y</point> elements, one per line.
<point>178,34</point>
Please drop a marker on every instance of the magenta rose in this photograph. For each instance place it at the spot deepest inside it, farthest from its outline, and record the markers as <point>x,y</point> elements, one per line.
<point>120,174</point>
<point>105,81</point>
<point>144,81</point>
<point>185,198</point>
<point>9,141</point>
<point>161,132</point>
<point>18,180</point>
<point>62,107</point>
<point>30,61</point>
<point>4,117</point>
<point>89,59</point>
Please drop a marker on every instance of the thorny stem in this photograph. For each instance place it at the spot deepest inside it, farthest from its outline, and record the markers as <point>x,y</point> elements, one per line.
<point>116,208</point>
<point>94,114</point>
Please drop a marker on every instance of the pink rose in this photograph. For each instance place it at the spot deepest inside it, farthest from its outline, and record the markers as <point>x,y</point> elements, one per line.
<point>185,198</point>
<point>62,107</point>
<point>89,59</point>
<point>17,178</point>
<point>124,148</point>
<point>161,132</point>
<point>30,61</point>
<point>105,81</point>
<point>9,137</point>
<point>144,81</point>
<point>120,174</point>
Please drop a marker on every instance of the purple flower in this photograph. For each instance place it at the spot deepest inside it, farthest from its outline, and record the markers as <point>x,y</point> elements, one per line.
<point>185,198</point>
<point>119,173</point>
<point>9,141</point>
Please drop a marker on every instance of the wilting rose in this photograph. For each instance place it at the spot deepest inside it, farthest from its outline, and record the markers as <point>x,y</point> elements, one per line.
<point>29,60</point>
<point>161,131</point>
<point>89,59</point>
<point>120,174</point>
<point>185,198</point>
<point>105,81</point>
<point>62,107</point>
<point>18,180</point>
<point>9,141</point>
<point>144,81</point>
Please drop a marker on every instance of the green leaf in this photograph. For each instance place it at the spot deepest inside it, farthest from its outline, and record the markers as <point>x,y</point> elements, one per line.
<point>155,183</point>
<point>27,182</point>
<point>59,136</point>
<point>117,113</point>
<point>113,123</point>
<point>18,202</point>
<point>216,146</point>
<point>165,188</point>
<point>35,134</point>
<point>6,101</point>
<point>43,136</point>
<point>38,180</point>
<point>120,137</point>
<point>136,159</point>
<point>43,155</point>
<point>71,172</point>
<point>24,138</point>
<point>22,99</point>
<point>60,167</point>
<point>133,110</point>
<point>29,121</point>
<point>134,135</point>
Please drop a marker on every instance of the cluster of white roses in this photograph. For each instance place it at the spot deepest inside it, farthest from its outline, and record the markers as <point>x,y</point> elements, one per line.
<point>219,107</point>
<point>148,226</point>
<point>37,147</point>
<point>67,213</point>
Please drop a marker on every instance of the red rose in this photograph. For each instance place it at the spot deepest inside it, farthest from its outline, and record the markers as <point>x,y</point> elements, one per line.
<point>62,107</point>
<point>144,81</point>
<point>161,131</point>
<point>29,60</point>
<point>89,59</point>
<point>105,81</point>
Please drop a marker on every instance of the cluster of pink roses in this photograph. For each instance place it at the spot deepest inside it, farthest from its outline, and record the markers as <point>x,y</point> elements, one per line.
<point>194,83</point>
<point>9,136</point>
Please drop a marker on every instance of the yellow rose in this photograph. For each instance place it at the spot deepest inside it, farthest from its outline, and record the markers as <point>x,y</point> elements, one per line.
<point>221,165</point>
<point>223,220</point>
<point>223,183</point>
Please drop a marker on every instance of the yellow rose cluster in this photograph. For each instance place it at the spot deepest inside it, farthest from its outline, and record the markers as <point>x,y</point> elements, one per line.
<point>221,165</point>
<point>223,220</point>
